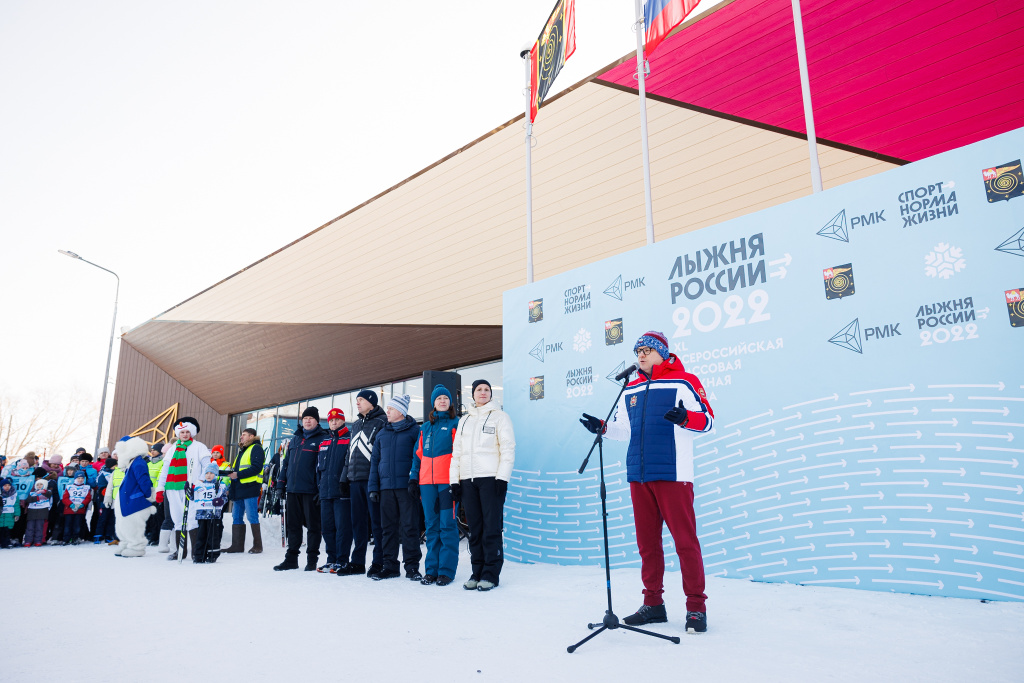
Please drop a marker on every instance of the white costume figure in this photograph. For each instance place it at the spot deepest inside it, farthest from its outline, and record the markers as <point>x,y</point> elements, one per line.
<point>183,469</point>
<point>134,498</point>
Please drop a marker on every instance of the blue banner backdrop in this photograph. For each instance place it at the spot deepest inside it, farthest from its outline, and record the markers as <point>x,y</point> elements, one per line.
<point>862,351</point>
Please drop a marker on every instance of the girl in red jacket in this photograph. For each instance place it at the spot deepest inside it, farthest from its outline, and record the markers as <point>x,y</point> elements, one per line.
<point>76,499</point>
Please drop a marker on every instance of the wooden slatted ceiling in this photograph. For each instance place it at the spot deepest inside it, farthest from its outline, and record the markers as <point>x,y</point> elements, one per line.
<point>144,391</point>
<point>239,366</point>
<point>459,226</point>
<point>908,79</point>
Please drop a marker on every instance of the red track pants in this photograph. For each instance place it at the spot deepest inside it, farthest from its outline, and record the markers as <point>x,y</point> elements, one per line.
<point>668,502</point>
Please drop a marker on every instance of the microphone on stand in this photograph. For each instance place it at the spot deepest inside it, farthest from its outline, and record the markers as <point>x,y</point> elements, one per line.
<point>626,373</point>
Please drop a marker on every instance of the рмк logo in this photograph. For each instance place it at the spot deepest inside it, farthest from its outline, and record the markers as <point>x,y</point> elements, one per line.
<point>1014,244</point>
<point>1004,182</point>
<point>838,281</point>
<point>849,337</point>
<point>536,311</point>
<point>835,229</point>
<point>614,290</point>
<point>613,332</point>
<point>1015,306</point>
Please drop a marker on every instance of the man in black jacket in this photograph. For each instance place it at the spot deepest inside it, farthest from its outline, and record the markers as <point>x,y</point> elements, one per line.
<point>357,471</point>
<point>298,479</point>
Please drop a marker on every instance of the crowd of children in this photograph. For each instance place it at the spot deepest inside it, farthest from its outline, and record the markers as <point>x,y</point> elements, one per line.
<point>48,503</point>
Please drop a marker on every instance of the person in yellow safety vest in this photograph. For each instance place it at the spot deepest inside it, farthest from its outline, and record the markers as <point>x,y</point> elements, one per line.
<point>155,463</point>
<point>246,477</point>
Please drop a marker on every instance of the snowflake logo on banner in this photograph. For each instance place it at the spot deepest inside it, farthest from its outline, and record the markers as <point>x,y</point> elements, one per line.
<point>581,341</point>
<point>944,261</point>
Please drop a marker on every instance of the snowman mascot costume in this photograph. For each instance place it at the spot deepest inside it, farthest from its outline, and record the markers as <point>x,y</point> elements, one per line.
<point>183,469</point>
<point>134,498</point>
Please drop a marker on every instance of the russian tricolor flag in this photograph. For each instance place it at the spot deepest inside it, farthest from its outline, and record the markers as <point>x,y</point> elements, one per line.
<point>660,17</point>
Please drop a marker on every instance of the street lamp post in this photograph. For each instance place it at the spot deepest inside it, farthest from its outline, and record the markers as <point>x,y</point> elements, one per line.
<point>110,347</point>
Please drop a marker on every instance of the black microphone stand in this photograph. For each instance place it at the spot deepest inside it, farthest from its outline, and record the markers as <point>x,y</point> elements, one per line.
<point>610,621</point>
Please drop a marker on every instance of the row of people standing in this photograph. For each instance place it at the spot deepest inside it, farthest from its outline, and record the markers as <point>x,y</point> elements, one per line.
<point>342,482</point>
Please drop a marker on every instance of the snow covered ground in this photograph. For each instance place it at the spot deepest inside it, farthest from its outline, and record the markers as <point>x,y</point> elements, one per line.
<point>82,614</point>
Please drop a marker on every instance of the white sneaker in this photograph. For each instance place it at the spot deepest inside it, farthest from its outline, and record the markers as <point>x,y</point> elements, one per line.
<point>471,585</point>
<point>484,585</point>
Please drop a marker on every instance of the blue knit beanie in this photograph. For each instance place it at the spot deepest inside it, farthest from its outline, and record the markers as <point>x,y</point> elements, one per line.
<point>654,340</point>
<point>400,403</point>
<point>439,390</point>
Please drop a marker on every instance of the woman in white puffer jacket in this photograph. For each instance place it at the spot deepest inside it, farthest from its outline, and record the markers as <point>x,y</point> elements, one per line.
<point>483,453</point>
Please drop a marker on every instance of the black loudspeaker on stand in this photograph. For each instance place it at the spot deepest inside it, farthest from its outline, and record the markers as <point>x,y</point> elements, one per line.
<point>610,621</point>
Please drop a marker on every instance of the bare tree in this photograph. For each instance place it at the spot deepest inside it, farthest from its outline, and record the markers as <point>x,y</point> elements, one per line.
<point>45,421</point>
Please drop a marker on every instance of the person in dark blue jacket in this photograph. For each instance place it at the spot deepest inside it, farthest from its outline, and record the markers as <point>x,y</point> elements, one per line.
<point>298,478</point>
<point>390,466</point>
<point>335,501</point>
<point>429,483</point>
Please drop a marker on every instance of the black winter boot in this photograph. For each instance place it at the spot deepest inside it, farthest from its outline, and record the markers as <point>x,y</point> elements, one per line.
<point>290,562</point>
<point>237,539</point>
<point>648,614</point>
<point>257,540</point>
<point>386,574</point>
<point>698,621</point>
<point>374,569</point>
<point>352,569</point>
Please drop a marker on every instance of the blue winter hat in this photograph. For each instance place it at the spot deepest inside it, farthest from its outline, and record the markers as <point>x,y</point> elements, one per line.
<point>654,340</point>
<point>211,469</point>
<point>80,474</point>
<point>439,390</point>
<point>368,395</point>
<point>6,482</point>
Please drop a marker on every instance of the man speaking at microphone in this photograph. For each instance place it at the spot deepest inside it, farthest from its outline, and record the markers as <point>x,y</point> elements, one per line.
<point>660,414</point>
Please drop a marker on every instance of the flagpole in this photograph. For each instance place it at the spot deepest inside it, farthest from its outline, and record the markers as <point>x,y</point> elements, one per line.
<point>525,54</point>
<point>640,77</point>
<point>805,89</point>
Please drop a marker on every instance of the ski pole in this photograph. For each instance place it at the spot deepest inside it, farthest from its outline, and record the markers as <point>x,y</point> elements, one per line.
<point>184,524</point>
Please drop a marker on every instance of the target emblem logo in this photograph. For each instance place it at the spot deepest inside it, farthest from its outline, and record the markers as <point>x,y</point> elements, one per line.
<point>838,281</point>
<point>1004,182</point>
<point>1015,306</point>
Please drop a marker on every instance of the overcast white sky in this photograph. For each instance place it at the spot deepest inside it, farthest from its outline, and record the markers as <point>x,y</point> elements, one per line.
<point>176,143</point>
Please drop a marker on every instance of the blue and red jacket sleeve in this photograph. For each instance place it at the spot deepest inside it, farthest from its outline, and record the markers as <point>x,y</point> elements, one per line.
<point>414,475</point>
<point>700,421</point>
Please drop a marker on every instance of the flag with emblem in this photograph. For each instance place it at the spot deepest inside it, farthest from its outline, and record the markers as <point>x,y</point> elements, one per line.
<point>555,44</point>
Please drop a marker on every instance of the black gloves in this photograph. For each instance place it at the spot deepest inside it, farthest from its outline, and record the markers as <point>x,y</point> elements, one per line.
<point>678,415</point>
<point>374,496</point>
<point>414,489</point>
<point>345,490</point>
<point>502,486</point>
<point>280,485</point>
<point>593,424</point>
<point>456,491</point>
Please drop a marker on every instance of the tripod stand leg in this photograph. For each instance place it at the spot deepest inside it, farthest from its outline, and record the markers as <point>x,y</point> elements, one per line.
<point>572,648</point>
<point>674,639</point>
